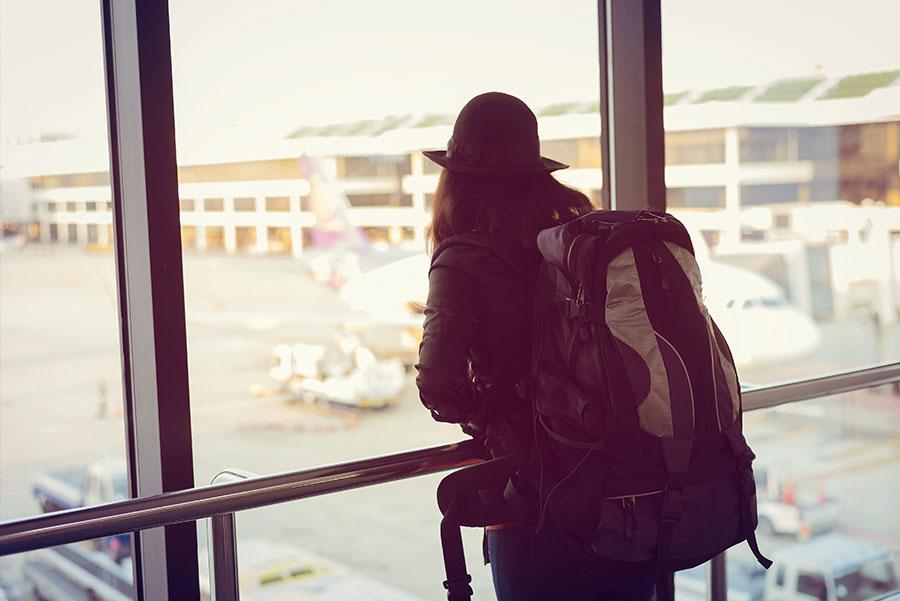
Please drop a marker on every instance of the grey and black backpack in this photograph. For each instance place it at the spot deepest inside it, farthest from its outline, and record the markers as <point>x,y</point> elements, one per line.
<point>637,455</point>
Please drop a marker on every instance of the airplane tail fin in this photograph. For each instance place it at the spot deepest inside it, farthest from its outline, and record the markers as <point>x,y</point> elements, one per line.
<point>331,210</point>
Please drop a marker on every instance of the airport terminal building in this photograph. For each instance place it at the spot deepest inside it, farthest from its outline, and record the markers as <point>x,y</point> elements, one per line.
<point>792,142</point>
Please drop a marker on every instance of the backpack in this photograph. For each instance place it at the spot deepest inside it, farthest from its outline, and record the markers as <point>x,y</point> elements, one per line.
<point>638,455</point>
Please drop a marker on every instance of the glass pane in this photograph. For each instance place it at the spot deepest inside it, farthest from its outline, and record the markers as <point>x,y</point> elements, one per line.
<point>61,426</point>
<point>827,485</point>
<point>304,189</point>
<point>781,158</point>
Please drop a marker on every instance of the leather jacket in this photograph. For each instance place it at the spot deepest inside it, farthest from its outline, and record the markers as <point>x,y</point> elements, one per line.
<point>477,331</point>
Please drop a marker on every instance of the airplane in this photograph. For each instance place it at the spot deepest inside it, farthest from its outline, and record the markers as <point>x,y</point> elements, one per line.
<point>339,250</point>
<point>761,325</point>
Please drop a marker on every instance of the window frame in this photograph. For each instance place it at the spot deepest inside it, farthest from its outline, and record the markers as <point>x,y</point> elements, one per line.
<point>147,235</point>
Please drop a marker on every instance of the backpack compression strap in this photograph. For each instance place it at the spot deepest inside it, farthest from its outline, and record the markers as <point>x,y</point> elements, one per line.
<point>677,455</point>
<point>748,489</point>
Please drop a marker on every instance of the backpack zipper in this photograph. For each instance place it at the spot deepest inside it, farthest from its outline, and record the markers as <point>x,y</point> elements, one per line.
<point>579,239</point>
<point>582,332</point>
<point>663,278</point>
<point>580,328</point>
<point>664,282</point>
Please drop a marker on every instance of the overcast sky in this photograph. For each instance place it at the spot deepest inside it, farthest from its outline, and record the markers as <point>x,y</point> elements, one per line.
<point>269,65</point>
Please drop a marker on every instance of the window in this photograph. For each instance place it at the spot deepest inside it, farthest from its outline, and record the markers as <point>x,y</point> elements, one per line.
<point>801,479</point>
<point>807,178</point>
<point>188,237</point>
<point>768,144</point>
<point>577,153</point>
<point>695,147</point>
<point>763,194</point>
<point>373,166</point>
<point>213,204</point>
<point>790,205</point>
<point>61,409</point>
<point>244,204</point>
<point>812,584</point>
<point>387,200</point>
<point>779,569</point>
<point>875,577</point>
<point>362,116</point>
<point>215,237</point>
<point>279,240</point>
<point>711,197</point>
<point>279,204</point>
<point>245,238</point>
<point>186,204</point>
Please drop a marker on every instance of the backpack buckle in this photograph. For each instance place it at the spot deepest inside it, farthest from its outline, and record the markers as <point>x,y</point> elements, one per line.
<point>572,308</point>
<point>670,512</point>
<point>462,581</point>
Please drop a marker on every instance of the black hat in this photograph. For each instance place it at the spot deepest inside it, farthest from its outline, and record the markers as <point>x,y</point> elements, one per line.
<point>494,133</point>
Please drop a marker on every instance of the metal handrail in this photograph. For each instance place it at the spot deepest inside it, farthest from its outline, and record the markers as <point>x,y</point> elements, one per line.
<point>772,395</point>
<point>130,515</point>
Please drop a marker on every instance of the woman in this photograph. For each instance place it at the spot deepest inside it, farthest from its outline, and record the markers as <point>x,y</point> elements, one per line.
<point>497,192</point>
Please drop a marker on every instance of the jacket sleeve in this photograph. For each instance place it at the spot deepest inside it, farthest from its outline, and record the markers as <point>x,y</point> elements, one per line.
<point>453,319</point>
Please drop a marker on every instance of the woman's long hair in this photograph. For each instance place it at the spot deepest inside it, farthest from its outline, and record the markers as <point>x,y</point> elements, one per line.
<point>516,206</point>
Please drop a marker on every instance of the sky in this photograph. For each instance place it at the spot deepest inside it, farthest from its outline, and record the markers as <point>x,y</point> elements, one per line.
<point>262,68</point>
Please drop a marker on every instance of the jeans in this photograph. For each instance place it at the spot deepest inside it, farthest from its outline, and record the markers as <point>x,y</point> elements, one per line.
<point>548,568</point>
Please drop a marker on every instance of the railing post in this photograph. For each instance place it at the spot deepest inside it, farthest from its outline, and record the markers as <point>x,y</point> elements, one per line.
<point>717,579</point>
<point>223,571</point>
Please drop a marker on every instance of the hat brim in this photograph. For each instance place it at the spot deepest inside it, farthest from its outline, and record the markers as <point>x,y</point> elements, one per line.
<point>440,157</point>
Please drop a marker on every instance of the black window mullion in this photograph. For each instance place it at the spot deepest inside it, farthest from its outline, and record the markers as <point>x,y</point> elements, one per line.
<point>150,284</point>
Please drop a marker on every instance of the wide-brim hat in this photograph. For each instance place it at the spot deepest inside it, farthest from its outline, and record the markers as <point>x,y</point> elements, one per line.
<point>494,133</point>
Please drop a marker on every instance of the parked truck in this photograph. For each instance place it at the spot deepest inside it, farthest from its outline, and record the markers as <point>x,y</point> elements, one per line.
<point>833,567</point>
<point>96,570</point>
<point>99,482</point>
<point>793,507</point>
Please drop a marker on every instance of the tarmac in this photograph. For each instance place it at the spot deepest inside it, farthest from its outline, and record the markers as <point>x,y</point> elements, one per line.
<point>60,406</point>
